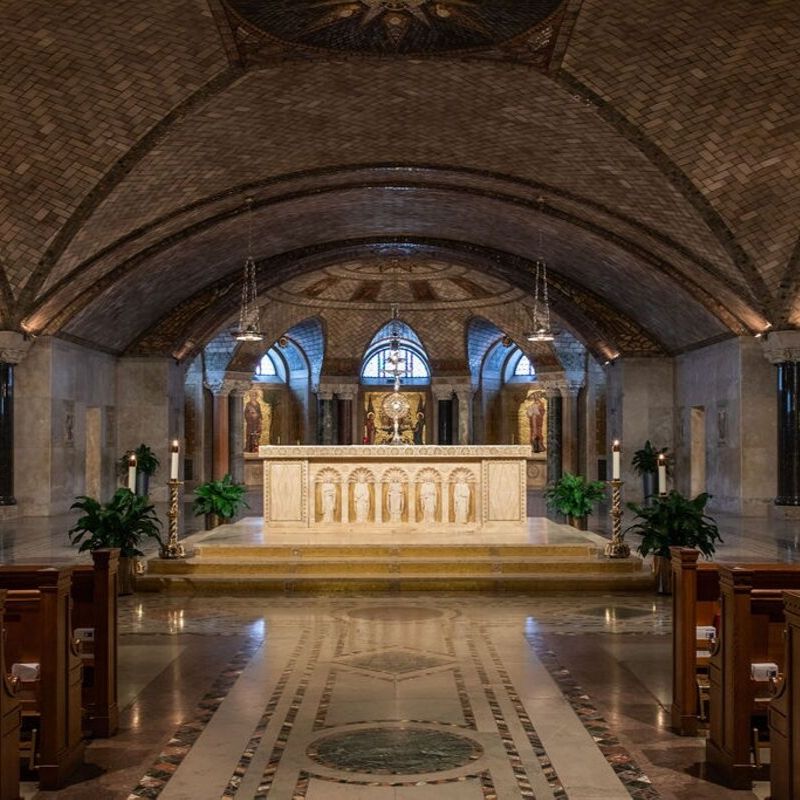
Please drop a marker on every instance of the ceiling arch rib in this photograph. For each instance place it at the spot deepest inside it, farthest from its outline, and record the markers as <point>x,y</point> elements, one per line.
<point>204,254</point>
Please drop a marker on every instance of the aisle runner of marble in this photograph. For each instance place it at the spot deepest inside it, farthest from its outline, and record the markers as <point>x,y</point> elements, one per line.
<point>401,699</point>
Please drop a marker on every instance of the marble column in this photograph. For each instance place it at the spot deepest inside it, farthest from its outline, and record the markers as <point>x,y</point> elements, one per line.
<point>464,398</point>
<point>221,453</point>
<point>7,434</point>
<point>236,427</point>
<point>325,426</point>
<point>344,423</point>
<point>13,348</point>
<point>569,428</point>
<point>553,435</point>
<point>782,348</point>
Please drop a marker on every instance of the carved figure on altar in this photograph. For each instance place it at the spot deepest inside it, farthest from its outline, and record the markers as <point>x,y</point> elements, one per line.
<point>461,498</point>
<point>395,501</point>
<point>328,492</point>
<point>427,498</point>
<point>361,499</point>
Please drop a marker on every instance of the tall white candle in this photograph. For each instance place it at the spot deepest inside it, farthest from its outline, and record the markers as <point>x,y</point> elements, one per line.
<point>132,473</point>
<point>173,463</point>
<point>616,454</point>
<point>662,474</point>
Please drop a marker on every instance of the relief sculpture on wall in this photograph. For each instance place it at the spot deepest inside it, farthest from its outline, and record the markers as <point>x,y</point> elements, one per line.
<point>394,496</point>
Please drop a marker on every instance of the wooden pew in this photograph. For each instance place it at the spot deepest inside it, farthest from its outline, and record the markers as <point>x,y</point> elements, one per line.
<point>784,712</point>
<point>10,720</point>
<point>39,629</point>
<point>695,602</point>
<point>752,624</point>
<point>94,606</point>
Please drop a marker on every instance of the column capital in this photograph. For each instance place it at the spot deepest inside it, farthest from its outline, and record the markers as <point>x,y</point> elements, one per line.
<point>782,346</point>
<point>14,346</point>
<point>235,388</point>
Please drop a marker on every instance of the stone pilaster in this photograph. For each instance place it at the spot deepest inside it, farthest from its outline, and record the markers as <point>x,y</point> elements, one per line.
<point>782,348</point>
<point>569,428</point>
<point>554,467</point>
<point>236,392</point>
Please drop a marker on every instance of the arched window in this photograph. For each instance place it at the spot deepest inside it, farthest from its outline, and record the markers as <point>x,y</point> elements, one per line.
<point>518,367</point>
<point>271,368</point>
<point>377,368</point>
<point>524,368</point>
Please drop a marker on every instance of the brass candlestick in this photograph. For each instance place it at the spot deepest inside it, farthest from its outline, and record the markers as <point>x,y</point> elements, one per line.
<point>616,548</point>
<point>173,548</point>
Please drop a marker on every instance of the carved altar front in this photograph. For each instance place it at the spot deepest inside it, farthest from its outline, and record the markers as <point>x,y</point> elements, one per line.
<point>425,488</point>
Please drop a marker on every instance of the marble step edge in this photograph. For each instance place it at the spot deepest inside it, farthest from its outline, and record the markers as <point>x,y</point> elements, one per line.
<point>550,582</point>
<point>389,550</point>
<point>410,568</point>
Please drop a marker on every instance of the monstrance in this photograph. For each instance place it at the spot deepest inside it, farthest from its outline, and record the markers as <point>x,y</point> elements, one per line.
<point>395,406</point>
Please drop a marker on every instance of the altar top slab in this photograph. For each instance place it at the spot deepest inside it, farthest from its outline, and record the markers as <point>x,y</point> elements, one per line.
<point>385,452</point>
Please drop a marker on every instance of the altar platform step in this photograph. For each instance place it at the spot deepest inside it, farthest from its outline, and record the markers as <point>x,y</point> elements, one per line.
<point>242,569</point>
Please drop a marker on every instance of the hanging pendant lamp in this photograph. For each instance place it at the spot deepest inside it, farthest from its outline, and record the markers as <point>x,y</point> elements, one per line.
<point>249,329</point>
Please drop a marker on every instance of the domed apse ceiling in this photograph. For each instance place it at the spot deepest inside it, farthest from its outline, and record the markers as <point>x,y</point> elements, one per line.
<point>414,284</point>
<point>398,27</point>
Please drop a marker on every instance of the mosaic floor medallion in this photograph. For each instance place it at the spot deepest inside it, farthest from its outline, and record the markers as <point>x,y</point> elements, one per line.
<point>394,751</point>
<point>395,662</point>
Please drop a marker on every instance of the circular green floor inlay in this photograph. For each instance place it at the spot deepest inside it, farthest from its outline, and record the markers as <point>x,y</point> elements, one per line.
<point>394,751</point>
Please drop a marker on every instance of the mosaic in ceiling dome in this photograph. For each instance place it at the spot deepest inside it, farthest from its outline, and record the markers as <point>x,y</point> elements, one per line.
<point>399,27</point>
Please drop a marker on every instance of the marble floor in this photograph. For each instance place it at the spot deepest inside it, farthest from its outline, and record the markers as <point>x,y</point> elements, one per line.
<point>434,697</point>
<point>429,697</point>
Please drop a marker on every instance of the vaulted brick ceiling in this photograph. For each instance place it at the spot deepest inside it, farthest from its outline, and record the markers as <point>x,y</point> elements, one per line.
<point>652,157</point>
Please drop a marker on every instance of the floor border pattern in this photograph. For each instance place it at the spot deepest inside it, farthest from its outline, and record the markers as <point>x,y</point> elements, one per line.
<point>261,726</point>
<point>638,785</point>
<point>170,758</point>
<point>304,780</point>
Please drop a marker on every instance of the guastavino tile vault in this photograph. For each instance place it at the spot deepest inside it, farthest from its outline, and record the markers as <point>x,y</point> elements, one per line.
<point>395,273</point>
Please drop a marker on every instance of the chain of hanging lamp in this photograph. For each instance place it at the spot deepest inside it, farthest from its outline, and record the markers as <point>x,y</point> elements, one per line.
<point>542,331</point>
<point>249,313</point>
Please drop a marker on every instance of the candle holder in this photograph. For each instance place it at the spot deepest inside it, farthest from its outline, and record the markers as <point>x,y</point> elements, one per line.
<point>616,548</point>
<point>173,548</point>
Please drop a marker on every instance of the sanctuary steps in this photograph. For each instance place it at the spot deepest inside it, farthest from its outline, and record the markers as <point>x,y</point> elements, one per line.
<point>313,568</point>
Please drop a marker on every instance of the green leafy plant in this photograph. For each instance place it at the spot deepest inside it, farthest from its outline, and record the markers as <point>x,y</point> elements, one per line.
<point>123,522</point>
<point>645,461</point>
<point>573,495</point>
<point>146,461</point>
<point>675,521</point>
<point>225,498</point>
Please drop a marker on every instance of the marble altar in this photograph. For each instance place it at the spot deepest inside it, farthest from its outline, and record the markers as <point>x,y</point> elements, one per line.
<point>421,488</point>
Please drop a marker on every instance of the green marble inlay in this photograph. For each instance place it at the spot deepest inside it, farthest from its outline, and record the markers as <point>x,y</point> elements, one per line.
<point>396,662</point>
<point>394,751</point>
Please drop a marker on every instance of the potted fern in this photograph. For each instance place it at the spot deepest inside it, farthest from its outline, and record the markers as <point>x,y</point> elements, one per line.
<point>574,496</point>
<point>124,522</point>
<point>146,466</point>
<point>218,500</point>
<point>645,464</point>
<point>673,521</point>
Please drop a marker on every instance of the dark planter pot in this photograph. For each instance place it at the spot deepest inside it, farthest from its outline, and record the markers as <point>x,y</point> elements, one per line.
<point>125,583</point>
<point>649,487</point>
<point>212,520</point>
<point>581,523</point>
<point>142,484</point>
<point>662,572</point>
